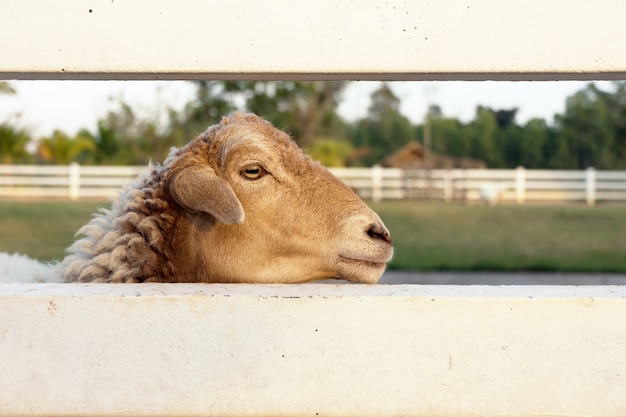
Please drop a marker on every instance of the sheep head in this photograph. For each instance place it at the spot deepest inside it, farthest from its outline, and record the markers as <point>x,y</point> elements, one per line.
<point>240,203</point>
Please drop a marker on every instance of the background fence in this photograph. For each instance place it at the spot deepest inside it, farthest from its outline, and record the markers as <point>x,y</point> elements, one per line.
<point>456,185</point>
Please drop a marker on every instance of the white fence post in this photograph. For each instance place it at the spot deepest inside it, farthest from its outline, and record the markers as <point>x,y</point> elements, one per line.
<point>520,185</point>
<point>74,181</point>
<point>590,186</point>
<point>447,186</point>
<point>377,183</point>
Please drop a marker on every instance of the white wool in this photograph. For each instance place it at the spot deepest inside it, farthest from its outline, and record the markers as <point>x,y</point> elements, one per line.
<point>17,268</point>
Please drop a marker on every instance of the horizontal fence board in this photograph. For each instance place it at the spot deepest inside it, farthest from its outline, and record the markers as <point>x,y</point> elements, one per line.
<point>33,170</point>
<point>553,195</point>
<point>611,195</point>
<point>103,182</point>
<point>489,174</point>
<point>610,186</point>
<point>100,192</point>
<point>112,171</point>
<point>34,192</point>
<point>316,349</point>
<point>554,185</point>
<point>545,174</point>
<point>474,184</point>
<point>38,180</point>
<point>617,176</point>
<point>295,40</point>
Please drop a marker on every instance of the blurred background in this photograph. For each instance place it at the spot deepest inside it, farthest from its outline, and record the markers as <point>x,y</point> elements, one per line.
<point>468,176</point>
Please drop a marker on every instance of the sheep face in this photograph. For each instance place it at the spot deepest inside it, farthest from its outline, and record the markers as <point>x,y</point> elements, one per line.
<point>255,208</point>
<point>240,203</point>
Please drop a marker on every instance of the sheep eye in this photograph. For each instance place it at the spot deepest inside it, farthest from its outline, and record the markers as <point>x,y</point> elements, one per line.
<point>253,172</point>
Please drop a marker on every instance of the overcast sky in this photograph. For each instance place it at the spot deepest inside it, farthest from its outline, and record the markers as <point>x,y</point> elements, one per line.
<point>42,106</point>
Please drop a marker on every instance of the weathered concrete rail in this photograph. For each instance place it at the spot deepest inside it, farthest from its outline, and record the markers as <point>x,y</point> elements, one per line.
<point>327,39</point>
<point>342,350</point>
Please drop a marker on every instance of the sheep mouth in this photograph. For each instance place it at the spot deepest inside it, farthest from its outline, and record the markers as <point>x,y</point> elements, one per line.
<point>359,270</point>
<point>363,262</point>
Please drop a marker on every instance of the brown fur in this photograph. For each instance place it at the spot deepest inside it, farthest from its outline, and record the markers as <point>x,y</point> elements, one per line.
<point>198,217</point>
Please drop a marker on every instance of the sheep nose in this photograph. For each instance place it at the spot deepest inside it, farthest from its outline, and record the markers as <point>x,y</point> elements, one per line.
<point>378,231</point>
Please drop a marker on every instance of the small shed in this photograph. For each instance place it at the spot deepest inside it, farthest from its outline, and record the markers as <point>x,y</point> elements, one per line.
<point>412,156</point>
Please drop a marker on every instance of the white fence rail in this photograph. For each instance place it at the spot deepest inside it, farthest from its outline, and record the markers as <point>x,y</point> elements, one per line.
<point>311,350</point>
<point>398,40</point>
<point>508,185</point>
<point>70,181</point>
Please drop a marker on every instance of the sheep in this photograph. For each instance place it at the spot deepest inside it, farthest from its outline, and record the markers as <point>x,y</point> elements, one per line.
<point>490,193</point>
<point>240,203</point>
<point>20,268</point>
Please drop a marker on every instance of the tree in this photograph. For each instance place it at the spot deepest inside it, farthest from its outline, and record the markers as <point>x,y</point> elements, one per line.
<point>483,134</point>
<point>449,136</point>
<point>108,144</point>
<point>213,100</point>
<point>127,138</point>
<point>593,128</point>
<point>385,129</point>
<point>611,115</point>
<point>306,109</point>
<point>13,143</point>
<point>505,118</point>
<point>13,140</point>
<point>331,152</point>
<point>315,110</point>
<point>534,143</point>
<point>61,149</point>
<point>6,88</point>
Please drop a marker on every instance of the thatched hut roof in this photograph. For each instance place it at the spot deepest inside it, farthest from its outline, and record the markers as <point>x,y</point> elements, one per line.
<point>412,156</point>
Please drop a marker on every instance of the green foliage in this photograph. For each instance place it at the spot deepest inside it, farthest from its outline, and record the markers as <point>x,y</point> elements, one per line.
<point>331,152</point>
<point>533,144</point>
<point>213,100</point>
<point>591,131</point>
<point>484,137</point>
<point>306,109</point>
<point>63,150</point>
<point>13,143</point>
<point>384,130</point>
<point>448,137</point>
<point>124,137</point>
<point>6,88</point>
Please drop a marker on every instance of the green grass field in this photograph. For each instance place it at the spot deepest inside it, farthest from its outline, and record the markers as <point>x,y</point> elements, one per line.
<point>427,236</point>
<point>506,238</point>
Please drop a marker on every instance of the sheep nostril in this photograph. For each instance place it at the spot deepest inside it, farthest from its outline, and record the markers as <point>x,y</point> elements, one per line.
<point>377,231</point>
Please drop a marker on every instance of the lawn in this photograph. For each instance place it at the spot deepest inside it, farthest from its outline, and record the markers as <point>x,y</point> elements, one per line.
<point>430,236</point>
<point>427,236</point>
<point>42,229</point>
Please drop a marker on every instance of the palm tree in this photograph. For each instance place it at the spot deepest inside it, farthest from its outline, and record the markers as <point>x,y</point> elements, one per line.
<point>61,149</point>
<point>5,88</point>
<point>13,142</point>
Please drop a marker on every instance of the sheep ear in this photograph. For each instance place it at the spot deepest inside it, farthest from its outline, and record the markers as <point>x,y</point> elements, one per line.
<point>202,190</point>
